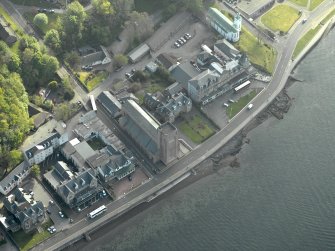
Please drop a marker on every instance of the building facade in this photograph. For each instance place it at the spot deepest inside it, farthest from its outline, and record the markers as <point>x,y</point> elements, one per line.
<point>27,212</point>
<point>148,133</point>
<point>230,30</point>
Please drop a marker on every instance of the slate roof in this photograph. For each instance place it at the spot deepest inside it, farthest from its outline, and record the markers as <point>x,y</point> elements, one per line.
<point>227,48</point>
<point>110,102</point>
<point>147,123</point>
<point>30,152</point>
<point>221,20</point>
<point>166,60</point>
<point>204,79</point>
<point>184,72</point>
<point>17,171</point>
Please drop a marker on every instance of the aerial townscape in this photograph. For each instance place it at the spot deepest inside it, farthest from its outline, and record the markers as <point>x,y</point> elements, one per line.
<point>107,104</point>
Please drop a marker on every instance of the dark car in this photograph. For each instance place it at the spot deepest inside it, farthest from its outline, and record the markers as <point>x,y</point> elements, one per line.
<point>130,178</point>
<point>48,211</point>
<point>42,10</point>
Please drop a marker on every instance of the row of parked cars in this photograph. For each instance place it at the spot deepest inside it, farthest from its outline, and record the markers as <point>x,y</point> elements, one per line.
<point>46,10</point>
<point>182,40</point>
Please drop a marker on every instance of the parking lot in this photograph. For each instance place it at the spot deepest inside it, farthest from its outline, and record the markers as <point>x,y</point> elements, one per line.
<point>200,33</point>
<point>124,186</point>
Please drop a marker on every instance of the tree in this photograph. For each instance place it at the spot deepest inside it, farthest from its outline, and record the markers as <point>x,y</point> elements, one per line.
<point>36,170</point>
<point>72,24</point>
<point>103,8</point>
<point>40,20</point>
<point>72,58</point>
<point>63,111</point>
<point>7,57</point>
<point>52,40</point>
<point>140,25</point>
<point>48,67</point>
<point>53,85</point>
<point>195,6</point>
<point>120,60</point>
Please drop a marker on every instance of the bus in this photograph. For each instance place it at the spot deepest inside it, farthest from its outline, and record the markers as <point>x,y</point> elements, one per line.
<point>94,107</point>
<point>241,86</point>
<point>97,212</point>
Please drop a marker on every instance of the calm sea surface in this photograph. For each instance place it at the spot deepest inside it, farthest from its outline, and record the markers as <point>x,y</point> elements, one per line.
<point>281,198</point>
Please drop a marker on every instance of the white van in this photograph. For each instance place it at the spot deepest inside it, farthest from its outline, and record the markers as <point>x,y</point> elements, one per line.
<point>250,106</point>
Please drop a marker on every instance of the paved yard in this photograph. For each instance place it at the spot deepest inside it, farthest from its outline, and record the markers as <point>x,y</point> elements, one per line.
<point>124,186</point>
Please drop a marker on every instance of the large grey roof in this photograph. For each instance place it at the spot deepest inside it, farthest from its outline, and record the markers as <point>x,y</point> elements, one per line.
<point>17,171</point>
<point>205,78</point>
<point>139,135</point>
<point>46,143</point>
<point>227,48</point>
<point>224,22</point>
<point>110,102</point>
<point>166,60</point>
<point>184,72</point>
<point>84,150</point>
<point>143,119</point>
<point>138,52</point>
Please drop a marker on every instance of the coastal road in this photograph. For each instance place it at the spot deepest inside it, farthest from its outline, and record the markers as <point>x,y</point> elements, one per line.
<point>203,151</point>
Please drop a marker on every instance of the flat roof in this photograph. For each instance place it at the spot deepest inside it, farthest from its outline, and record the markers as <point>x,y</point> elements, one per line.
<point>74,141</point>
<point>251,6</point>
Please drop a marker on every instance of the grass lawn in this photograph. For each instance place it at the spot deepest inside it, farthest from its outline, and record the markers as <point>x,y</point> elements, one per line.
<point>10,20</point>
<point>280,18</point>
<point>314,4</point>
<point>27,241</point>
<point>96,143</point>
<point>234,108</point>
<point>303,42</point>
<point>52,21</point>
<point>300,2</point>
<point>92,80</point>
<point>258,53</point>
<point>196,129</point>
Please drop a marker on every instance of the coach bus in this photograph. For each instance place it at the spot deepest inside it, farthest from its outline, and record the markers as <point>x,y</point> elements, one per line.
<point>241,86</point>
<point>94,106</point>
<point>97,212</point>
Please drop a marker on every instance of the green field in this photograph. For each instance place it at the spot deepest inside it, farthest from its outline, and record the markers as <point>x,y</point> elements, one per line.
<point>305,39</point>
<point>314,4</point>
<point>91,80</point>
<point>300,2</point>
<point>27,241</point>
<point>236,107</point>
<point>52,21</point>
<point>258,53</point>
<point>196,129</point>
<point>280,18</point>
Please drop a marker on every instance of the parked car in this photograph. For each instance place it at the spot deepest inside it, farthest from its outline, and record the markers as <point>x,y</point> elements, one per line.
<point>225,105</point>
<point>103,193</point>
<point>176,44</point>
<point>183,39</point>
<point>42,10</point>
<point>133,71</point>
<point>187,36</point>
<point>128,75</point>
<point>250,106</point>
<point>48,211</point>
<point>87,67</point>
<point>180,41</point>
<point>130,178</point>
<point>61,214</point>
<point>231,101</point>
<point>51,11</point>
<point>51,202</point>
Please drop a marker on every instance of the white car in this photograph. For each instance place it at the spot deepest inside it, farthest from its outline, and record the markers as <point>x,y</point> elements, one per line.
<point>61,214</point>
<point>226,105</point>
<point>250,106</point>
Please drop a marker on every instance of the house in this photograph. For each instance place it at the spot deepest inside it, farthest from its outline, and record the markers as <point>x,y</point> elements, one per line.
<point>167,61</point>
<point>111,164</point>
<point>39,152</point>
<point>167,109</point>
<point>6,32</point>
<point>158,141</point>
<point>255,8</point>
<point>76,189</point>
<point>110,103</point>
<point>201,85</point>
<point>27,212</point>
<point>230,30</point>
<point>96,58</point>
<point>225,49</point>
<point>183,73</point>
<point>15,177</point>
